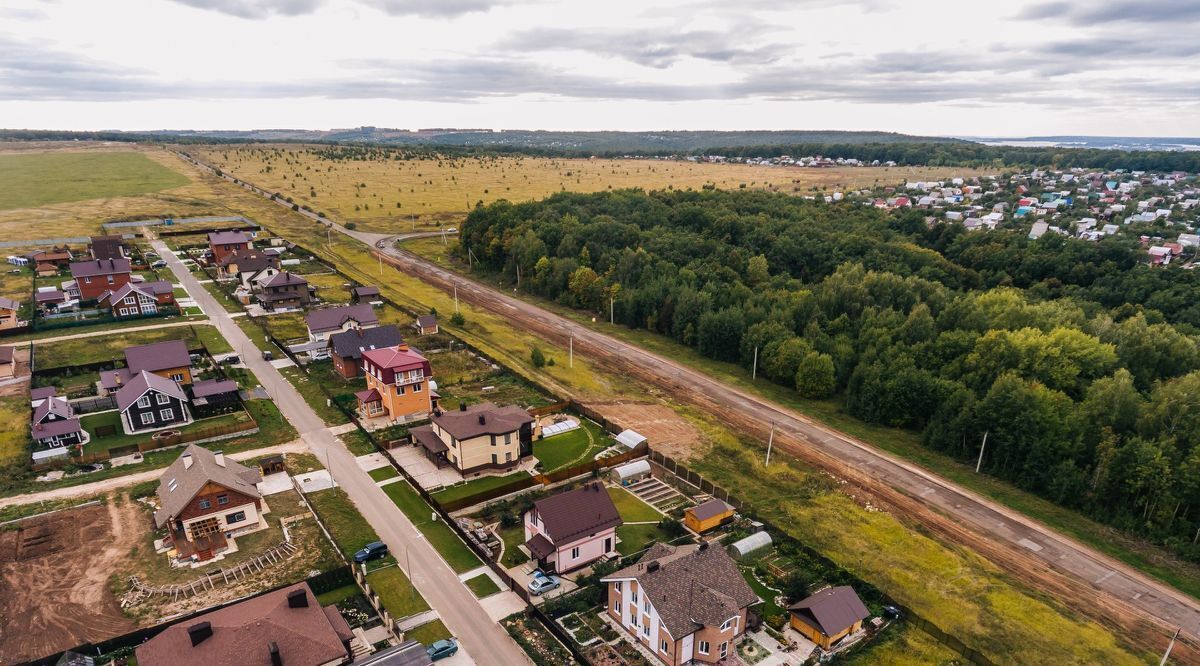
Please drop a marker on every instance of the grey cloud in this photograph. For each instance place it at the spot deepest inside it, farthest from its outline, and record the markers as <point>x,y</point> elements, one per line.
<point>653,48</point>
<point>433,8</point>
<point>256,9</point>
<point>1115,11</point>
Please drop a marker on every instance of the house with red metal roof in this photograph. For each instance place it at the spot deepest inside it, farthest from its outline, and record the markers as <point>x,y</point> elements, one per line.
<point>93,278</point>
<point>572,529</point>
<point>397,385</point>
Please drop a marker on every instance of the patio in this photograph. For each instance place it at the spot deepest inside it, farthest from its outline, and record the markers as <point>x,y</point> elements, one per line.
<point>426,473</point>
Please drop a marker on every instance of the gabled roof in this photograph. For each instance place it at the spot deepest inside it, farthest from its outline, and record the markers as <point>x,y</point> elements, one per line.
<point>329,319</point>
<point>691,586</point>
<point>352,344</point>
<point>157,356</point>
<point>53,405</point>
<point>426,321</point>
<point>465,424</point>
<point>41,393</point>
<point>578,513</point>
<point>710,509</point>
<point>181,481</point>
<point>285,278</point>
<point>427,438</point>
<point>363,292</point>
<point>251,262</point>
<point>147,289</point>
<point>203,389</point>
<point>228,237</point>
<point>143,382</point>
<point>8,304</point>
<point>97,267</point>
<point>54,428</point>
<point>539,546</point>
<point>49,296</point>
<point>106,247</point>
<point>831,610</point>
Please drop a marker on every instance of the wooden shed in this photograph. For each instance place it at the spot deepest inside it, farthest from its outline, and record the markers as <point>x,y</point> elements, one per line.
<point>829,616</point>
<point>271,464</point>
<point>706,516</point>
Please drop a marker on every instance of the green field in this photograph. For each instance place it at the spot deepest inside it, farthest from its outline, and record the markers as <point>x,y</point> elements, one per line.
<point>38,179</point>
<point>632,509</point>
<point>573,447</point>
<point>396,592</point>
<point>14,442</point>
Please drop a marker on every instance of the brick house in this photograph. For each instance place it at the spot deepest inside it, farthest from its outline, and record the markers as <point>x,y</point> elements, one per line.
<point>346,348</point>
<point>397,384</point>
<point>203,498</point>
<point>138,298</point>
<point>93,278</point>
<point>152,402</point>
<point>683,603</point>
<point>477,438</point>
<point>224,243</point>
<point>572,529</point>
<point>169,359</point>
<point>284,290</point>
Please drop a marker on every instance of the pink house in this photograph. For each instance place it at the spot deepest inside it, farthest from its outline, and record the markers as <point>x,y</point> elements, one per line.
<point>572,529</point>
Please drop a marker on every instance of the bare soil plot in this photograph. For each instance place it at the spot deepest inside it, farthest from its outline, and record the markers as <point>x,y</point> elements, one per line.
<point>667,431</point>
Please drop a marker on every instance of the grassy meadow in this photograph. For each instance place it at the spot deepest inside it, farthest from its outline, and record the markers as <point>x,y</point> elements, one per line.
<point>37,179</point>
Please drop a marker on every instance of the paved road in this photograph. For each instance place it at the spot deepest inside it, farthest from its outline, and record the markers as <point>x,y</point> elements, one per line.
<point>436,581</point>
<point>1000,524</point>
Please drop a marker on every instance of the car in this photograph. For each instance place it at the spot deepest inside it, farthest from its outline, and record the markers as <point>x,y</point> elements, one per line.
<point>159,264</point>
<point>452,230</point>
<point>149,253</point>
<point>891,612</point>
<point>231,360</point>
<point>372,551</point>
<point>442,649</point>
<point>542,583</point>
<point>267,355</point>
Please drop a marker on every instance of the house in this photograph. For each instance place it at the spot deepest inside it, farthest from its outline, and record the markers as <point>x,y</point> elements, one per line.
<point>169,359</point>
<point>48,298</point>
<point>480,437</point>
<point>1159,255</point>
<point>828,616</point>
<point>706,516</point>
<point>8,364</point>
<point>286,627</point>
<point>284,290</point>
<point>151,402</point>
<point>214,392</point>
<point>224,243</point>
<point>397,384</point>
<point>326,321</point>
<point>249,266</point>
<point>426,325</point>
<point>138,299</point>
<point>366,294</point>
<point>8,314</point>
<point>572,529</point>
<point>107,247</point>
<point>204,498</point>
<point>346,348</point>
<point>93,278</point>
<point>54,427</point>
<point>48,262</point>
<point>683,603</point>
<point>1039,230</point>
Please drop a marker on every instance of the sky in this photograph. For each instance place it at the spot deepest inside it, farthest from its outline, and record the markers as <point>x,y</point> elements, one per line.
<point>1019,68</point>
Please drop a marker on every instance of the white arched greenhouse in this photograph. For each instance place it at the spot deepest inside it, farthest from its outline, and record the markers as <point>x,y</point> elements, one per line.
<point>744,547</point>
<point>631,473</point>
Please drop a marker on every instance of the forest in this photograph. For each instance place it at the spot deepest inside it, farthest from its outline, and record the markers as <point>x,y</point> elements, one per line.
<point>1077,360</point>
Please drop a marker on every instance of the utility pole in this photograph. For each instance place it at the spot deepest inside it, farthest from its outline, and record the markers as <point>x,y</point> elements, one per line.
<point>518,276</point>
<point>412,588</point>
<point>380,264</point>
<point>754,367</point>
<point>571,353</point>
<point>414,221</point>
<point>443,235</point>
<point>770,441</point>
<point>610,310</point>
<point>1170,646</point>
<point>981,448</point>
<point>329,237</point>
<point>456,298</point>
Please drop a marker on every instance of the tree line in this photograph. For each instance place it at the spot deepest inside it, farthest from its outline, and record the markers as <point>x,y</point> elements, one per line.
<point>1077,361</point>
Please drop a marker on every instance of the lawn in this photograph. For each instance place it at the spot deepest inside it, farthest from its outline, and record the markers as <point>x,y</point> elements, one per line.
<point>38,179</point>
<point>769,607</point>
<point>308,387</point>
<point>218,292</point>
<point>338,594</point>
<point>903,645</point>
<point>513,537</point>
<point>482,586</point>
<point>398,595</point>
<point>500,388</point>
<point>384,473</point>
<point>14,440</point>
<point>349,529</point>
<point>331,287</point>
<point>16,283</point>
<point>456,553</point>
<point>97,348</point>
<point>92,422</point>
<point>286,326</point>
<point>428,633</point>
<point>573,447</point>
<point>636,538</point>
<point>212,340</point>
<point>477,486</point>
<point>357,443</point>
<point>632,509</point>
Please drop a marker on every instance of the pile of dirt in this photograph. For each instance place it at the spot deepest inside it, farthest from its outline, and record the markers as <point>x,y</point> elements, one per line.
<point>668,432</point>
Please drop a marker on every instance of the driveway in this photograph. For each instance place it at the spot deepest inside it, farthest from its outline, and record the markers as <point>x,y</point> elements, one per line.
<point>436,581</point>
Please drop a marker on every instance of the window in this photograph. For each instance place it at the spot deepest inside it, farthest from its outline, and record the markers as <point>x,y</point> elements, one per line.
<point>400,389</point>
<point>633,599</point>
<point>222,500</point>
<point>129,300</point>
<point>147,418</point>
<point>110,278</point>
<point>663,647</point>
<point>645,629</point>
<point>167,414</point>
<point>494,461</point>
<point>508,438</point>
<point>124,312</point>
<point>575,553</point>
<point>143,401</point>
<point>493,440</point>
<point>725,624</point>
<point>724,650</point>
<point>508,457</point>
<point>703,647</point>
<point>235,517</point>
<point>633,615</point>
<point>416,388</point>
<point>162,398</point>
<point>87,280</point>
<point>204,504</point>
<point>646,605</point>
<point>608,544</point>
<point>177,377</point>
<point>617,607</point>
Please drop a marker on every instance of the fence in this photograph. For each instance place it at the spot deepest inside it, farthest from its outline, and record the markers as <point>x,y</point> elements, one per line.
<point>203,435</point>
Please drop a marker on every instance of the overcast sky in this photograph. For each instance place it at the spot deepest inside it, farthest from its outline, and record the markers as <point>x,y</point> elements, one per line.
<point>1123,67</point>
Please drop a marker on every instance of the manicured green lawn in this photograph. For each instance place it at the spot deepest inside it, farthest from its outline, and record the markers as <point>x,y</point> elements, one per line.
<point>573,447</point>
<point>357,443</point>
<point>513,537</point>
<point>91,422</point>
<point>338,594</point>
<point>37,179</point>
<point>632,509</point>
<point>383,473</point>
<point>477,486</point>
<point>212,340</point>
<point>396,592</point>
<point>635,538</point>
<point>14,441</point>
<point>429,633</point>
<point>349,529</point>
<point>456,553</point>
<point>482,586</point>
<point>314,396</point>
<point>769,607</point>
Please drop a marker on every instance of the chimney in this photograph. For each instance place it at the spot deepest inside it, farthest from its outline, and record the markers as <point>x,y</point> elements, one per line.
<point>219,457</point>
<point>462,406</point>
<point>482,419</point>
<point>199,632</point>
<point>297,599</point>
<point>703,546</point>
<point>276,659</point>
<point>187,460</point>
<point>652,567</point>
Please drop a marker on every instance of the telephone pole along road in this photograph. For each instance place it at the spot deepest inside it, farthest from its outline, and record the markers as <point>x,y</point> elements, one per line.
<point>1002,526</point>
<point>433,578</point>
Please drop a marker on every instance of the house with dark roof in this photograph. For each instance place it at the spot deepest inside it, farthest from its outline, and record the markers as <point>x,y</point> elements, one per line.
<point>169,359</point>
<point>138,299</point>
<point>213,395</point>
<point>286,627</point>
<point>683,603</point>
<point>250,268</point>
<point>476,438</point>
<point>829,616</point>
<point>572,529</point>
<point>93,278</point>
<point>46,263</point>
<point>151,402</point>
<point>367,294</point>
<point>285,290</point>
<point>204,499</point>
<point>221,244</point>
<point>107,247</point>
<point>346,348</point>
<point>426,325</point>
<point>8,313</point>
<point>326,321</point>
<point>54,427</point>
<point>397,384</point>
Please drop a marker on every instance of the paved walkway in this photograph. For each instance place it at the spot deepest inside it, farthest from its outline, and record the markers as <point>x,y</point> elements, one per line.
<point>433,578</point>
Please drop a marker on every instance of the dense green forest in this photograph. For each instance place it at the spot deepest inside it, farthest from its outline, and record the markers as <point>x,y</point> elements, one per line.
<point>1078,361</point>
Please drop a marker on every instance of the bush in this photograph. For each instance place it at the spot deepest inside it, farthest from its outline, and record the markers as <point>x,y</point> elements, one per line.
<point>457,319</point>
<point>351,226</point>
<point>776,622</point>
<point>537,357</point>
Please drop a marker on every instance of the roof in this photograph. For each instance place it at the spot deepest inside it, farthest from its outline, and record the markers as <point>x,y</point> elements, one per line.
<point>710,509</point>
<point>396,357</point>
<point>228,237</point>
<point>370,395</point>
<point>203,389</point>
<point>283,279</point>
<point>157,356</point>
<point>243,633</point>
<point>330,319</point>
<point>630,438</point>
<point>145,381</point>
<point>351,344</point>
<point>54,428</point>
<point>692,586</point>
<point>53,405</point>
<point>408,653</point>
<point>539,546</point>
<point>578,513</point>
<point>8,304</point>
<point>6,354</point>
<point>464,424</point>
<point>41,393</point>
<point>96,267</point>
<point>180,483</point>
<point>427,438</point>
<point>832,610</point>
<point>149,289</point>
<point>251,262</point>
<point>106,247</point>
<point>365,291</point>
<point>48,296</point>
<point>426,321</point>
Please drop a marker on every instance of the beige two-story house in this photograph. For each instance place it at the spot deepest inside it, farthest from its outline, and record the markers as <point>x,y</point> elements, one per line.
<point>478,437</point>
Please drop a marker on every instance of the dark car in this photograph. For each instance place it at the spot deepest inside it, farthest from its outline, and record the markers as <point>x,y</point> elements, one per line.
<point>231,360</point>
<point>267,355</point>
<point>442,649</point>
<point>372,551</point>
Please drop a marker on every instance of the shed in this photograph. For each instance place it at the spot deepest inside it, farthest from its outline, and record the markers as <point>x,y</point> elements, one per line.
<point>744,547</point>
<point>631,439</point>
<point>631,473</point>
<point>271,464</point>
<point>707,515</point>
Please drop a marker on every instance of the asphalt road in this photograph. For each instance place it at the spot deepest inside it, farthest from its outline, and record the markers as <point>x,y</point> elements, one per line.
<point>437,582</point>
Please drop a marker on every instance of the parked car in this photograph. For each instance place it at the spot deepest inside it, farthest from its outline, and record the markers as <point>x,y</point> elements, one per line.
<point>543,583</point>
<point>442,649</point>
<point>161,263</point>
<point>452,230</point>
<point>231,360</point>
<point>372,551</point>
<point>267,355</point>
<point>891,612</point>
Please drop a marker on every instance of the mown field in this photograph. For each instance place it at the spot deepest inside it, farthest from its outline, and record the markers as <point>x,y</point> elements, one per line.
<point>390,195</point>
<point>36,179</point>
